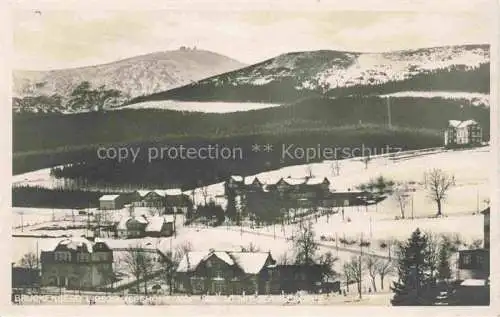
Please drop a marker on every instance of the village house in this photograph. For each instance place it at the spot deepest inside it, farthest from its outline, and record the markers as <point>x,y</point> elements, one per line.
<point>25,278</point>
<point>111,202</point>
<point>475,263</point>
<point>131,227</point>
<point>77,263</point>
<point>463,133</point>
<point>166,200</point>
<point>160,226</point>
<point>310,278</point>
<point>225,272</point>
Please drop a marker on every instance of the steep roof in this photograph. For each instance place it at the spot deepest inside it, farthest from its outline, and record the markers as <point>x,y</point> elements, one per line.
<point>75,243</point>
<point>237,178</point>
<point>190,261</point>
<point>249,262</point>
<point>461,124</point>
<point>122,224</point>
<point>155,224</point>
<point>108,197</point>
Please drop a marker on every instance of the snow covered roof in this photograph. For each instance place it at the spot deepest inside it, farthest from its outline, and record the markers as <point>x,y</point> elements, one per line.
<point>108,197</point>
<point>161,192</point>
<point>155,224</point>
<point>461,124</point>
<point>173,192</point>
<point>316,180</point>
<point>122,224</point>
<point>237,178</point>
<point>168,218</point>
<point>75,243</point>
<point>468,123</point>
<point>473,282</point>
<point>250,262</point>
<point>143,193</point>
<point>294,181</point>
<point>190,261</point>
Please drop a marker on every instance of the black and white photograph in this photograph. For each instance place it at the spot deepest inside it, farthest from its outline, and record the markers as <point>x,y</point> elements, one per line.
<point>253,153</point>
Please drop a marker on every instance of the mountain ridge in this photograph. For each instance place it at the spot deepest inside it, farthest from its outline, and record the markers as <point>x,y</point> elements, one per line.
<point>149,72</point>
<point>302,73</point>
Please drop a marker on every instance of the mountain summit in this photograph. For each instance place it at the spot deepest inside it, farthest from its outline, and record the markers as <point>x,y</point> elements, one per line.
<point>136,76</point>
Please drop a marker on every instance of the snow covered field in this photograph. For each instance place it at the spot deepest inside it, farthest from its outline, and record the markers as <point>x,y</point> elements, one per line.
<point>193,106</point>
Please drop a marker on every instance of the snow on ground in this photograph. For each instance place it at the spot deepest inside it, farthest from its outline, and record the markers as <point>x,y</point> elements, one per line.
<point>41,178</point>
<point>35,216</point>
<point>474,98</point>
<point>193,106</point>
<point>470,168</point>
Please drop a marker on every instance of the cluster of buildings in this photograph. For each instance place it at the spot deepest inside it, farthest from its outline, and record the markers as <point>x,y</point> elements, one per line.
<point>81,264</point>
<point>170,200</point>
<point>297,192</point>
<point>238,272</point>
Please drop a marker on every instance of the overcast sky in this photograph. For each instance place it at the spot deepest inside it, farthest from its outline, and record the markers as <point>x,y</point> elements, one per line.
<point>61,38</point>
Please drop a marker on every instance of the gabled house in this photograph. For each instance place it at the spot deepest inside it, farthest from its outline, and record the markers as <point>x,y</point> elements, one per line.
<point>169,200</point>
<point>475,264</point>
<point>463,133</point>
<point>225,272</point>
<point>77,263</point>
<point>310,278</point>
<point>160,226</point>
<point>131,227</point>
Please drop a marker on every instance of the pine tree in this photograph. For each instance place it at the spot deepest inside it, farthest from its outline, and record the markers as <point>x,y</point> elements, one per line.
<point>412,267</point>
<point>443,269</point>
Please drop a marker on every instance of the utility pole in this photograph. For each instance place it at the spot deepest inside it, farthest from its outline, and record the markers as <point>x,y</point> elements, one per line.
<point>389,113</point>
<point>371,234</point>
<point>360,277</point>
<point>337,243</point>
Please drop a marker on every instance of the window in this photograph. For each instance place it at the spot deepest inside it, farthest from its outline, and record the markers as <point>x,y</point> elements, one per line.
<point>62,256</point>
<point>467,259</point>
<point>218,274</point>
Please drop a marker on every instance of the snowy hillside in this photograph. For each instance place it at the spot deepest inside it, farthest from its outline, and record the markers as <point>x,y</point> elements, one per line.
<point>134,76</point>
<point>291,76</point>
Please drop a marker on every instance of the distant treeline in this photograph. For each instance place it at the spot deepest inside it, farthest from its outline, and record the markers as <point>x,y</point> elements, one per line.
<point>193,173</point>
<point>455,78</point>
<point>50,140</point>
<point>68,132</point>
<point>24,196</point>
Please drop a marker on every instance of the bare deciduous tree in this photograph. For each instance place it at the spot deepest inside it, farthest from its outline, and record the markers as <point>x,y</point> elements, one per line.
<point>371,264</point>
<point>384,268</point>
<point>305,245</point>
<point>401,196</point>
<point>173,261</point>
<point>438,183</point>
<point>432,253</point>
<point>29,260</point>
<point>251,247</point>
<point>354,270</point>
<point>284,259</point>
<point>139,263</point>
